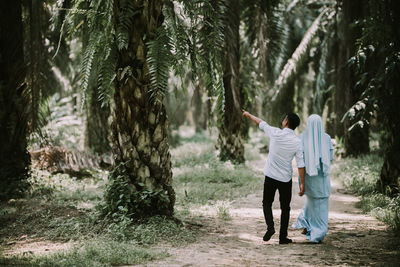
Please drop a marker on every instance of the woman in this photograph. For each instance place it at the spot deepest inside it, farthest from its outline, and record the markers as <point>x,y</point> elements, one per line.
<point>318,153</point>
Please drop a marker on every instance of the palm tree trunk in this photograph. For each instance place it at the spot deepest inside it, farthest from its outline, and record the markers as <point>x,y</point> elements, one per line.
<point>140,126</point>
<point>14,157</point>
<point>389,181</point>
<point>199,112</point>
<point>230,139</point>
<point>356,141</point>
<point>332,120</point>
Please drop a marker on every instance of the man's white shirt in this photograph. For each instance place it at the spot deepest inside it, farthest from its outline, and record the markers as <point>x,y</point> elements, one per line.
<point>283,146</point>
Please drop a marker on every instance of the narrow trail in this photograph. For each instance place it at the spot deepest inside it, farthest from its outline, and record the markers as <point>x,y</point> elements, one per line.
<point>353,238</point>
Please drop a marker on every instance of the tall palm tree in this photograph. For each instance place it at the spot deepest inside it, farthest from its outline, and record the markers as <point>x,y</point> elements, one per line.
<point>140,127</point>
<point>356,141</point>
<point>230,139</point>
<point>135,43</point>
<point>376,65</point>
<point>256,15</point>
<point>14,157</point>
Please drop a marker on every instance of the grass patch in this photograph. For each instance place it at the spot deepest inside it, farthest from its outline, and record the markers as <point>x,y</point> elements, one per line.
<point>200,178</point>
<point>223,212</point>
<point>193,154</point>
<point>384,208</point>
<point>150,231</point>
<point>96,252</point>
<point>360,176</point>
<point>214,181</point>
<point>60,208</point>
<point>60,223</point>
<point>63,189</point>
<point>39,218</point>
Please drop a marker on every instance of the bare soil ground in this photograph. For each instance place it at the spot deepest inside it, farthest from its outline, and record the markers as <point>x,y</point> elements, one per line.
<point>353,239</point>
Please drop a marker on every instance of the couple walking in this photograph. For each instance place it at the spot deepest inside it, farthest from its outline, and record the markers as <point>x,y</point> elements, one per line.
<point>313,152</point>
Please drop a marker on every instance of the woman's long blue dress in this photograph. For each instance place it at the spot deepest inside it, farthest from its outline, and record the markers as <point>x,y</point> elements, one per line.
<point>314,216</point>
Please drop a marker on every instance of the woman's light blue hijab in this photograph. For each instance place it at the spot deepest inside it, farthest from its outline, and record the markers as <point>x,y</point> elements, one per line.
<point>316,146</point>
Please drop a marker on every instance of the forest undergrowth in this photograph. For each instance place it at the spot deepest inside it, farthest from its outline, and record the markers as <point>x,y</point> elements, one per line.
<point>67,210</point>
<point>359,176</point>
<point>63,209</point>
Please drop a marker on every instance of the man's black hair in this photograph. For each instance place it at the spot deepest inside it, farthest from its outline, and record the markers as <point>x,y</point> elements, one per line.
<point>293,120</point>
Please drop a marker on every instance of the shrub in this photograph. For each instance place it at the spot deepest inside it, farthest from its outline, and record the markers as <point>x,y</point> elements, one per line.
<point>122,198</point>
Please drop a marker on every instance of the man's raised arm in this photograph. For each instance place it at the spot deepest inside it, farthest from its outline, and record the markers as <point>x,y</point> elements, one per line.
<point>251,117</point>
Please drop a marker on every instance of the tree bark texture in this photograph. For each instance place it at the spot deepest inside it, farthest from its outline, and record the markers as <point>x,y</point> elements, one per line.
<point>230,139</point>
<point>14,157</point>
<point>140,126</point>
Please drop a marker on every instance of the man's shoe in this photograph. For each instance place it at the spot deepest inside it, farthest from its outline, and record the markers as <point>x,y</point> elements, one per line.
<point>285,241</point>
<point>268,235</point>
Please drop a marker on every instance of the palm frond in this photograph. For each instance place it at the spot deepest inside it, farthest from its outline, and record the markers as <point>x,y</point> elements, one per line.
<point>177,30</point>
<point>281,55</point>
<point>205,39</point>
<point>106,75</point>
<point>40,79</point>
<point>88,58</point>
<point>94,20</point>
<point>299,54</point>
<point>159,59</point>
<point>211,44</point>
<point>125,23</point>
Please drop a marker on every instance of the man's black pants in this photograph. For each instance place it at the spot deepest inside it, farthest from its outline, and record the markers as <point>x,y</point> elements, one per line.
<point>285,196</point>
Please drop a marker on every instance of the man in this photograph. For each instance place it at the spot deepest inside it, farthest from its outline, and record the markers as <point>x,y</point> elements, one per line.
<point>283,146</point>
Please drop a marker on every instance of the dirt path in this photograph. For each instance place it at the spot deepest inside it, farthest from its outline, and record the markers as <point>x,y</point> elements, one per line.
<point>353,238</point>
